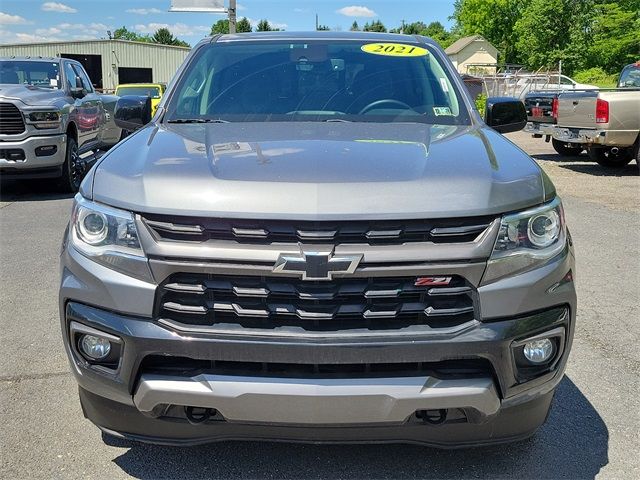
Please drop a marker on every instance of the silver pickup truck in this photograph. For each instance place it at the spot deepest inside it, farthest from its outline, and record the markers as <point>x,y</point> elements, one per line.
<point>52,122</point>
<point>606,121</point>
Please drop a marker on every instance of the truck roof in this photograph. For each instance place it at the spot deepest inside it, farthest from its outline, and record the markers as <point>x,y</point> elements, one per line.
<point>32,59</point>
<point>322,35</point>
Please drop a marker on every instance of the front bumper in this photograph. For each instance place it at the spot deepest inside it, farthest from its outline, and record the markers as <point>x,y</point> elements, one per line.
<point>144,404</point>
<point>36,160</point>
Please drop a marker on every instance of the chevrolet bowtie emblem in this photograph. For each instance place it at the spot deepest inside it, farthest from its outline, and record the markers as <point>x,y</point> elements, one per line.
<point>316,264</point>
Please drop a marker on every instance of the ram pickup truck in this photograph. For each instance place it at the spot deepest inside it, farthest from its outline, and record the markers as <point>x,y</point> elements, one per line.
<point>542,111</point>
<point>52,122</point>
<point>316,238</point>
<point>607,121</point>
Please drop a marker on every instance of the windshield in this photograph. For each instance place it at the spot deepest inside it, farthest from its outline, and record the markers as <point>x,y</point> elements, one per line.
<point>316,81</point>
<point>630,77</point>
<point>153,92</point>
<point>39,74</point>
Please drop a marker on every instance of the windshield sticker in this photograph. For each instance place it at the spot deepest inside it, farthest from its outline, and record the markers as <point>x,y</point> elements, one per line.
<point>442,111</point>
<point>394,50</point>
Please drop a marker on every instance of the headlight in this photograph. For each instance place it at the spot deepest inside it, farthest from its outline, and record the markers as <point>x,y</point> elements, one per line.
<point>45,119</point>
<point>527,240</point>
<point>108,236</point>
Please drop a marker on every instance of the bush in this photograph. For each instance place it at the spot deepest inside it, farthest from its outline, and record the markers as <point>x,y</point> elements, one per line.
<point>481,103</point>
<point>596,76</point>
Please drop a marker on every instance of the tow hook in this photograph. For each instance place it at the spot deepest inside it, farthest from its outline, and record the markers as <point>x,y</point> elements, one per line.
<point>197,415</point>
<point>432,417</point>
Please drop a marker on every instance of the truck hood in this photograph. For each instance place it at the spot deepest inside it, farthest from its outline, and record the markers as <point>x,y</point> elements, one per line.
<point>30,95</point>
<point>316,171</point>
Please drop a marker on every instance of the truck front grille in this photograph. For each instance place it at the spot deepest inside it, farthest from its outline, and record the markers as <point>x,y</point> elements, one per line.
<point>292,305</point>
<point>11,121</point>
<point>199,229</point>
<point>448,369</point>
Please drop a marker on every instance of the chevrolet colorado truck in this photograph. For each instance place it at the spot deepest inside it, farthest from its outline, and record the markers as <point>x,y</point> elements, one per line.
<point>52,122</point>
<point>316,238</point>
<point>606,122</point>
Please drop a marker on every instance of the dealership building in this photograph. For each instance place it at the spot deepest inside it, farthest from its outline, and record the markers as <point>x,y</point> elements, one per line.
<point>110,62</point>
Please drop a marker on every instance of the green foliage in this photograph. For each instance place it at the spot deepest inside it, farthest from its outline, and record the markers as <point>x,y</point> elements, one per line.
<point>494,20</point>
<point>540,33</point>
<point>264,26</point>
<point>481,103</point>
<point>375,26</point>
<point>550,31</point>
<point>123,34</point>
<point>165,37</point>
<point>243,25</point>
<point>616,35</point>
<point>355,27</point>
<point>162,35</point>
<point>596,76</point>
<point>220,27</point>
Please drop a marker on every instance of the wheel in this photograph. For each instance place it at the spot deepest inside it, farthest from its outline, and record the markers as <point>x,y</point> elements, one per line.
<point>605,157</point>
<point>74,168</point>
<point>565,149</point>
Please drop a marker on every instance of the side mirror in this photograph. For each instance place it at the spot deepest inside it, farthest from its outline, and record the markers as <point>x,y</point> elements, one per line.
<point>78,91</point>
<point>132,112</point>
<point>505,114</point>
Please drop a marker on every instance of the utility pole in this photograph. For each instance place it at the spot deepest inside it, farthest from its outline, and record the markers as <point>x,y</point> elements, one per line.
<point>402,28</point>
<point>232,16</point>
<point>317,24</point>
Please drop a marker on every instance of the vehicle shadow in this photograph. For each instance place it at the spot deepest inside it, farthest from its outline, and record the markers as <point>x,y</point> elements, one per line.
<point>583,164</point>
<point>572,444</point>
<point>30,190</point>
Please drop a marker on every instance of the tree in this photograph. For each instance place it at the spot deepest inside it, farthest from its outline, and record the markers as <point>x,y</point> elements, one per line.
<point>436,31</point>
<point>243,25</point>
<point>355,27</point>
<point>264,26</point>
<point>220,27</point>
<point>615,35</point>
<point>551,31</point>
<point>165,37</point>
<point>375,26</point>
<point>123,34</point>
<point>494,20</point>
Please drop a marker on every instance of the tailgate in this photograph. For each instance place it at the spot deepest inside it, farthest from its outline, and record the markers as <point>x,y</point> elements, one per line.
<point>539,107</point>
<point>577,109</point>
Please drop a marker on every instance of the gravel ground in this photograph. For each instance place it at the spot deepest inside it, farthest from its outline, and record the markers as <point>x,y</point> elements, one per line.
<point>592,431</point>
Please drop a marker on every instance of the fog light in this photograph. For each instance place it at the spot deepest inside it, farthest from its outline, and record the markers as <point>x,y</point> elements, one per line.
<point>538,351</point>
<point>94,347</point>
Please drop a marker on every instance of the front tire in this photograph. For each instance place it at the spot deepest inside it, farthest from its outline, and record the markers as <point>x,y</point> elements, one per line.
<point>73,169</point>
<point>605,157</point>
<point>564,149</point>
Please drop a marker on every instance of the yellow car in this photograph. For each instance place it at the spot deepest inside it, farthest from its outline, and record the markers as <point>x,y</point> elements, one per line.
<point>153,90</point>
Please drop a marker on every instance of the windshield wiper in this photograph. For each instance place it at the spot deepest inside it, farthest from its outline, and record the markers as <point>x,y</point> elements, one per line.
<point>198,120</point>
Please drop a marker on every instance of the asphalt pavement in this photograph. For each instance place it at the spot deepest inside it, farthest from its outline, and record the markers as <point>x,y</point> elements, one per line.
<point>593,429</point>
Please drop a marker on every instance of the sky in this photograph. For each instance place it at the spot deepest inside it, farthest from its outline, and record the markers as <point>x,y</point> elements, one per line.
<point>40,21</point>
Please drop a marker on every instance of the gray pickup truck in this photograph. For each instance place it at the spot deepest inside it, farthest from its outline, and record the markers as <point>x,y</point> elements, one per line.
<point>317,238</point>
<point>606,121</point>
<point>52,122</point>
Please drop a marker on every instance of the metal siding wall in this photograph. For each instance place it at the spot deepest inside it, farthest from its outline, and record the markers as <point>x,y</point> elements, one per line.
<point>163,60</point>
